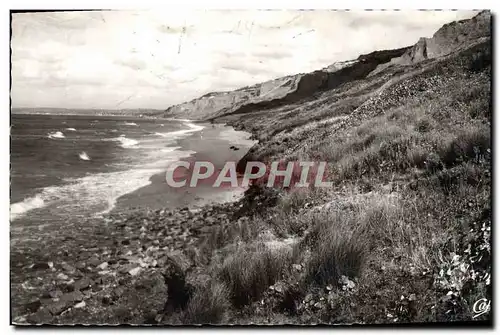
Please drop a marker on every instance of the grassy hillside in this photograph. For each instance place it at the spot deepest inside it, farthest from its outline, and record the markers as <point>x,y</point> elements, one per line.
<point>404,233</point>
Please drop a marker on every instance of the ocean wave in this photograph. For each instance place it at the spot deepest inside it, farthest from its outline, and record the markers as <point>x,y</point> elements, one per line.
<point>182,133</point>
<point>83,155</point>
<point>97,194</point>
<point>71,129</point>
<point>19,208</point>
<point>130,124</point>
<point>56,134</point>
<point>125,142</point>
<point>169,149</point>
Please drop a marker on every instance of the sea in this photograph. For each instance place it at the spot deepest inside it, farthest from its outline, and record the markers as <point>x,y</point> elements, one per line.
<point>70,166</point>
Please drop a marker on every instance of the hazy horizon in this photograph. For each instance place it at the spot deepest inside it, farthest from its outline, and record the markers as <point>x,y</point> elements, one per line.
<point>118,60</point>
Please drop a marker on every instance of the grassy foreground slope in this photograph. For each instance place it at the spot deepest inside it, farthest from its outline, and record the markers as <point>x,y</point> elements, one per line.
<point>404,233</point>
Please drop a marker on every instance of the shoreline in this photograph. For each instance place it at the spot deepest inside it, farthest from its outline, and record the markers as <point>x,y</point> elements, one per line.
<point>212,143</point>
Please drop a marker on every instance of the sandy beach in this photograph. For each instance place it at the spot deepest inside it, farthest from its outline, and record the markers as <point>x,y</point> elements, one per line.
<point>212,144</point>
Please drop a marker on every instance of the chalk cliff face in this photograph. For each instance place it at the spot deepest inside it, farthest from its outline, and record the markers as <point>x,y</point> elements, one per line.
<point>217,103</point>
<point>282,90</point>
<point>451,37</point>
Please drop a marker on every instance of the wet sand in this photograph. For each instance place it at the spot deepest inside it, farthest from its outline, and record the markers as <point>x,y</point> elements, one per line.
<point>212,144</point>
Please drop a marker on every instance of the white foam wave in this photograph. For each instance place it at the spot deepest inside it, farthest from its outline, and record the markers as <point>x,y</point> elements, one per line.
<point>130,124</point>
<point>83,155</point>
<point>71,129</point>
<point>125,142</point>
<point>96,194</point>
<point>169,149</point>
<point>182,133</point>
<point>19,208</point>
<point>56,134</point>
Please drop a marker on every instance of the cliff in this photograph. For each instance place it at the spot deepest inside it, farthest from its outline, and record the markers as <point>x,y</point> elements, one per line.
<point>288,89</point>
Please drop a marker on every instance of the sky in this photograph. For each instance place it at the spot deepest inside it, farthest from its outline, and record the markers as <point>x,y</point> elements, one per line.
<point>154,59</point>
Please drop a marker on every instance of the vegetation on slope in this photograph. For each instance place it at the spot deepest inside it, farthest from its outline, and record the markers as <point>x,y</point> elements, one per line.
<point>404,234</point>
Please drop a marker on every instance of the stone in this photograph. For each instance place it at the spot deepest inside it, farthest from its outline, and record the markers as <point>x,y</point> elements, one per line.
<point>74,296</point>
<point>319,305</point>
<point>68,268</point>
<point>135,271</point>
<point>40,266</point>
<point>80,304</point>
<point>53,294</point>
<point>103,266</point>
<point>20,320</point>
<point>127,267</point>
<point>57,307</point>
<point>94,261</point>
<point>279,287</point>
<point>33,306</point>
<point>43,316</point>
<point>117,293</point>
<point>82,284</point>
<point>65,302</point>
<point>80,265</point>
<point>62,276</point>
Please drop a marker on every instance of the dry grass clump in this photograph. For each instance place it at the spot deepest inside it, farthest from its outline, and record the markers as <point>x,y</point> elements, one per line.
<point>251,270</point>
<point>336,241</point>
<point>243,230</point>
<point>208,305</point>
<point>335,255</point>
<point>469,144</point>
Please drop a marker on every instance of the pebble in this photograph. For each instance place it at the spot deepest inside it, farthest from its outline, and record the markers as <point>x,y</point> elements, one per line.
<point>82,284</point>
<point>40,266</point>
<point>33,306</point>
<point>80,304</point>
<point>103,266</point>
<point>68,268</point>
<point>62,276</point>
<point>135,271</point>
<point>80,265</point>
<point>94,261</point>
